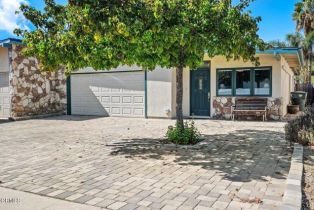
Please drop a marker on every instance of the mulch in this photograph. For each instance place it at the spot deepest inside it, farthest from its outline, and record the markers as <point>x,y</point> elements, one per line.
<point>308,179</point>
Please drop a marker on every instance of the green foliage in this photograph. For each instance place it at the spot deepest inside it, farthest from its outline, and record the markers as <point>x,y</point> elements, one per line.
<point>146,33</point>
<point>276,43</point>
<point>105,34</point>
<point>188,135</point>
<point>295,40</point>
<point>301,130</point>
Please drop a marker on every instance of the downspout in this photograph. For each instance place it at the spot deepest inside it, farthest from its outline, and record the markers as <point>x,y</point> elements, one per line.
<point>68,81</point>
<point>145,92</point>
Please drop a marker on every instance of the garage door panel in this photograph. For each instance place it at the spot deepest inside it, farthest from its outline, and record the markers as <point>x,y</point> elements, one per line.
<point>108,94</point>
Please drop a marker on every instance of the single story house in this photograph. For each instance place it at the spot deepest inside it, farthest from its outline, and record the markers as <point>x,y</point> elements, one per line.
<point>128,91</point>
<point>209,91</point>
<point>25,91</point>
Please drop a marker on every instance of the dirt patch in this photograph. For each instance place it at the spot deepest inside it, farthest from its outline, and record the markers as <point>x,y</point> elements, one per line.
<point>308,179</point>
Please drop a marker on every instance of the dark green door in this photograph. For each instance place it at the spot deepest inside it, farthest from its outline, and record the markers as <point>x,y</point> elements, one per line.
<point>200,92</point>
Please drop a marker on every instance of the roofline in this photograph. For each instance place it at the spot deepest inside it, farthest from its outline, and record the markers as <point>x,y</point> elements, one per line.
<point>284,51</point>
<point>9,41</point>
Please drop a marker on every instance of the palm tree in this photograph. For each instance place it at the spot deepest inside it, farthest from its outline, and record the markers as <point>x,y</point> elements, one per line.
<point>295,40</point>
<point>304,17</point>
<point>276,43</point>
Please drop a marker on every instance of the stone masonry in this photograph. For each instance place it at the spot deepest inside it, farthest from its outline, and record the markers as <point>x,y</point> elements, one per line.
<point>34,92</point>
<point>222,107</point>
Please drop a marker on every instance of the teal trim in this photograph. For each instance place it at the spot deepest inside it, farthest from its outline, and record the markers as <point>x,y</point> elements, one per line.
<point>275,51</point>
<point>145,92</point>
<point>252,78</point>
<point>209,85</point>
<point>7,43</point>
<point>232,82</point>
<point>69,104</point>
<point>283,51</point>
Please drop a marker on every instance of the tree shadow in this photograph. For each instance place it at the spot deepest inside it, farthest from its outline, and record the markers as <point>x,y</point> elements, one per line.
<point>72,117</point>
<point>2,121</point>
<point>243,155</point>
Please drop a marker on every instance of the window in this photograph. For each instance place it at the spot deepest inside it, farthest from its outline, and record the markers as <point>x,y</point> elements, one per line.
<point>262,82</point>
<point>244,82</point>
<point>224,82</point>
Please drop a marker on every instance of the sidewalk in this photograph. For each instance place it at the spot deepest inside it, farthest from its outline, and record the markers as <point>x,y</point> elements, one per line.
<point>28,201</point>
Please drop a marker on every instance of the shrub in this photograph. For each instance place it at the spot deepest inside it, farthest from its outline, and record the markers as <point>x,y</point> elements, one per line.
<point>301,130</point>
<point>186,135</point>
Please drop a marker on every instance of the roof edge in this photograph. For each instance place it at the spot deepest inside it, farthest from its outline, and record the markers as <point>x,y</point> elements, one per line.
<point>9,41</point>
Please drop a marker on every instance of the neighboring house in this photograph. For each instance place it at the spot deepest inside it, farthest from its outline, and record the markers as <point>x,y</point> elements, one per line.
<point>208,91</point>
<point>24,90</point>
<point>127,91</point>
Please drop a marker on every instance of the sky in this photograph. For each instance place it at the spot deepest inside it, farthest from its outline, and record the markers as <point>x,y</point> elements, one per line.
<point>276,17</point>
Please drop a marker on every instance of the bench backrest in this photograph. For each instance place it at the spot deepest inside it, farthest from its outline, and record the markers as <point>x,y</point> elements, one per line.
<point>251,102</point>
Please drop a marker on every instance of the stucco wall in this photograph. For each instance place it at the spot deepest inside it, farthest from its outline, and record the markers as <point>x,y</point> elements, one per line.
<point>221,62</point>
<point>287,83</point>
<point>265,60</point>
<point>4,60</point>
<point>159,93</point>
<point>34,92</point>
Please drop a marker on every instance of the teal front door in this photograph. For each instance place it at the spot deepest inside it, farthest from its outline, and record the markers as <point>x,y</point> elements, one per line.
<point>200,92</point>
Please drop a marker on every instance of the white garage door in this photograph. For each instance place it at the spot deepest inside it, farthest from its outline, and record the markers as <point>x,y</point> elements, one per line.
<point>4,95</point>
<point>108,94</point>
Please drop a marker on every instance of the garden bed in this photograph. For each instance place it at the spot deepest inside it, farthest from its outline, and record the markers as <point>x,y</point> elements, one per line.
<point>308,179</point>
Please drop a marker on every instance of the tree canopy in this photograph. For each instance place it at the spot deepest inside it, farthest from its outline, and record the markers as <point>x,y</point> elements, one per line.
<point>304,17</point>
<point>104,34</point>
<point>147,33</point>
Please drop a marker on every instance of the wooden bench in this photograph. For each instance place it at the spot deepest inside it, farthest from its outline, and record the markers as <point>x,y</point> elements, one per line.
<point>249,106</point>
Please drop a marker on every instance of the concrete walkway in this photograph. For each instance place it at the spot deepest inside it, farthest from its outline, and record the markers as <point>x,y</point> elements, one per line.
<point>17,200</point>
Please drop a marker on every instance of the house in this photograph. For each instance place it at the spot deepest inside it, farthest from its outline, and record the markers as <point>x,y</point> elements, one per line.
<point>24,90</point>
<point>209,91</point>
<point>128,91</point>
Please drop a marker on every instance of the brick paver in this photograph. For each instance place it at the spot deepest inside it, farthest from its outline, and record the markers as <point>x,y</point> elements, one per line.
<point>119,163</point>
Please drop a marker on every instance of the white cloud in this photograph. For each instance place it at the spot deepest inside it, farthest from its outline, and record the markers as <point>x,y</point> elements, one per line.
<point>8,19</point>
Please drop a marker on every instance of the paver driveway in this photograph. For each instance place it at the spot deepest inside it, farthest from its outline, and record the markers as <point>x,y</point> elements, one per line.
<point>119,163</point>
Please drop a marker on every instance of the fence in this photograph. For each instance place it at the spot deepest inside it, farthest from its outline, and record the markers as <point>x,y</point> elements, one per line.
<point>307,88</point>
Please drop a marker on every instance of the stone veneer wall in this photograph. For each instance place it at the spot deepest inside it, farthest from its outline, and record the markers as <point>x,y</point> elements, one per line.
<point>222,107</point>
<point>34,92</point>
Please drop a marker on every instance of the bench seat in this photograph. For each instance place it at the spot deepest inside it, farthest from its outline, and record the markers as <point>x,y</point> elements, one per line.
<point>250,106</point>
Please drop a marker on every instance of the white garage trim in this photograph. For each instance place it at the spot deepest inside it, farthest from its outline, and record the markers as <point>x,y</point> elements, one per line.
<point>5,97</point>
<point>118,93</point>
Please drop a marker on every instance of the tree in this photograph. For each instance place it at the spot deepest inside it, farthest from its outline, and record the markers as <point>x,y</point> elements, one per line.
<point>295,40</point>
<point>304,17</point>
<point>169,33</point>
<point>276,43</point>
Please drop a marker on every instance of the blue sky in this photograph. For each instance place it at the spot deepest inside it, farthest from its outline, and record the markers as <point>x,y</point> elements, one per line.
<point>276,17</point>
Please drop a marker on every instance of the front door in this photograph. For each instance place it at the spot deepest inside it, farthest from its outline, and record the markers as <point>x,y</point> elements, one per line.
<point>200,93</point>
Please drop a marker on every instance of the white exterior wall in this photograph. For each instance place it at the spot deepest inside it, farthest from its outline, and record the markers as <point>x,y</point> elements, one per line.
<point>159,93</point>
<point>287,83</point>
<point>5,97</point>
<point>4,60</point>
<point>221,62</point>
<point>265,60</point>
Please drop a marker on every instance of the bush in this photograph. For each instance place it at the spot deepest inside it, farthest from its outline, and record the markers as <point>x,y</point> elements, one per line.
<point>188,135</point>
<point>301,130</point>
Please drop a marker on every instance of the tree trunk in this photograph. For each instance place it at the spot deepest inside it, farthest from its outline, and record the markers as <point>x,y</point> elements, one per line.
<point>310,65</point>
<point>179,96</point>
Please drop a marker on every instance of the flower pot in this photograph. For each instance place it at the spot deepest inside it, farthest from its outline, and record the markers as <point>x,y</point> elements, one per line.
<point>293,109</point>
